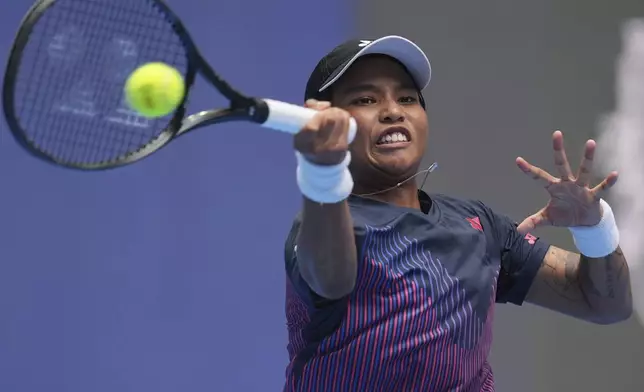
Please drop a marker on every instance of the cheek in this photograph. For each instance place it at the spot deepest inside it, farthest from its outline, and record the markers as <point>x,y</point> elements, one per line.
<point>362,143</point>
<point>421,125</point>
<point>360,146</point>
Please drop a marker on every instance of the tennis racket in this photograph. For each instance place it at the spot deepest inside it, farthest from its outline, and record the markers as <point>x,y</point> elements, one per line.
<point>63,91</point>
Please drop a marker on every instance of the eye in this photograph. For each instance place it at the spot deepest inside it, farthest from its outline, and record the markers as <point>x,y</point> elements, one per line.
<point>408,100</point>
<point>363,101</point>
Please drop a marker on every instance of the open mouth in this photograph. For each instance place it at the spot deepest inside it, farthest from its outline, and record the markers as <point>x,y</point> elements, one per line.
<point>394,136</point>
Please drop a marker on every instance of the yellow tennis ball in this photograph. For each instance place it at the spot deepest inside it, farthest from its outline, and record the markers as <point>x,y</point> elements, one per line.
<point>154,90</point>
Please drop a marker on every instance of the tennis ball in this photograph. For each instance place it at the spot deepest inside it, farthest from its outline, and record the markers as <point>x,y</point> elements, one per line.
<point>154,90</point>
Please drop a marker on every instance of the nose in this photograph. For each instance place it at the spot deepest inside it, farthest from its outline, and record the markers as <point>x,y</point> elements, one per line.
<point>392,113</point>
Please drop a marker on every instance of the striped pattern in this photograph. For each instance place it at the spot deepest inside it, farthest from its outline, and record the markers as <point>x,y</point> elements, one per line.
<point>409,326</point>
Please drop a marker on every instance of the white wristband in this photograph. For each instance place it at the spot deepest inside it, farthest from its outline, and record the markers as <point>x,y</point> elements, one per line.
<point>324,184</point>
<point>599,240</point>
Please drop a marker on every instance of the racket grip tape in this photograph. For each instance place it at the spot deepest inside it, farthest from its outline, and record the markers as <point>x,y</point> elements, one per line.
<point>289,118</point>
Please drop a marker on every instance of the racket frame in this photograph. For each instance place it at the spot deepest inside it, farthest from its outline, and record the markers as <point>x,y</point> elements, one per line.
<point>268,113</point>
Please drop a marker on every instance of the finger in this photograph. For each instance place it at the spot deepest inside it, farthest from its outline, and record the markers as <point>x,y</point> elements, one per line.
<point>343,123</point>
<point>321,124</point>
<point>338,127</point>
<point>561,161</point>
<point>323,105</point>
<point>532,222</point>
<point>586,166</point>
<point>605,185</point>
<point>327,126</point>
<point>317,105</point>
<point>536,173</point>
<point>303,141</point>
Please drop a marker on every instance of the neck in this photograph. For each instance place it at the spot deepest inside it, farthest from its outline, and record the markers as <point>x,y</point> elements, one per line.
<point>405,195</point>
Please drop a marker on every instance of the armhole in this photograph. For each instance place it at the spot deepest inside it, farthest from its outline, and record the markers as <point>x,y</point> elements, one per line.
<point>497,247</point>
<point>312,299</point>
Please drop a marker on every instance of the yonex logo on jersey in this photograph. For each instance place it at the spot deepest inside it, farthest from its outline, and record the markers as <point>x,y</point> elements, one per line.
<point>475,223</point>
<point>530,238</point>
<point>363,42</point>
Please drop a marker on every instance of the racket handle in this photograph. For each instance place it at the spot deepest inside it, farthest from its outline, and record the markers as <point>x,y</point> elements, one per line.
<point>286,117</point>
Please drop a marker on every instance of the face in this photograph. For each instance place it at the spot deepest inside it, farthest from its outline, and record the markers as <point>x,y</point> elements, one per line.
<point>392,124</point>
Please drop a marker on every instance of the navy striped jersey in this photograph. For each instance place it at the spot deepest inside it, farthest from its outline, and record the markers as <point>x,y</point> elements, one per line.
<point>420,316</point>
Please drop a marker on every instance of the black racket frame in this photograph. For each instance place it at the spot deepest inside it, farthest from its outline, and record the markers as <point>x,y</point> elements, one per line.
<point>242,107</point>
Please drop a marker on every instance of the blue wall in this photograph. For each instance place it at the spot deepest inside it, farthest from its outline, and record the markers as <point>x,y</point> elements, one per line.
<point>166,275</point>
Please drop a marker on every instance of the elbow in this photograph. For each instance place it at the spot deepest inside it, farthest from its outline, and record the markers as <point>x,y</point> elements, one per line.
<point>332,286</point>
<point>335,290</point>
<point>614,316</point>
<point>330,281</point>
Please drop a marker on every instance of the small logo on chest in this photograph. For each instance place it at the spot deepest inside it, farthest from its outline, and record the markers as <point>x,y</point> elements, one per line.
<point>475,223</point>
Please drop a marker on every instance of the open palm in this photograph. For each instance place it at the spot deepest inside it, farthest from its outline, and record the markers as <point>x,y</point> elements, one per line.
<point>572,201</point>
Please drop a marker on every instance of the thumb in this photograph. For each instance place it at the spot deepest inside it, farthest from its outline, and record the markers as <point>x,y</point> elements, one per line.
<point>317,105</point>
<point>532,222</point>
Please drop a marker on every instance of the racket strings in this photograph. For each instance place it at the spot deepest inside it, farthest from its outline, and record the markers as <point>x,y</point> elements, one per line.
<point>69,89</point>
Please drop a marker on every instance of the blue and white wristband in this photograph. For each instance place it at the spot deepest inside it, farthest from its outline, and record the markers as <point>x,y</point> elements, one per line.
<point>599,240</point>
<point>324,184</point>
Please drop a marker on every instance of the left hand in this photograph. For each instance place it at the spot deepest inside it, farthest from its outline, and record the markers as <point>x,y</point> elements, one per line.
<point>572,202</point>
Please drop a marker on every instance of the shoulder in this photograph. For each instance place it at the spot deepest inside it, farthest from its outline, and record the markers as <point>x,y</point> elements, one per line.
<point>460,206</point>
<point>474,212</point>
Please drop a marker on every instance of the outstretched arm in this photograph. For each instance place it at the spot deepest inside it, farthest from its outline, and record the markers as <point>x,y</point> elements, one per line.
<point>326,249</point>
<point>326,253</point>
<point>593,289</point>
<point>595,285</point>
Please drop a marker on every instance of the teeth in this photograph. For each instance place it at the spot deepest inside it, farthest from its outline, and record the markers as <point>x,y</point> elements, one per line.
<point>393,138</point>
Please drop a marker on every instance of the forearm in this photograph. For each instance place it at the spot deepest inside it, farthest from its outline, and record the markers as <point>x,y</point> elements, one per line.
<point>326,249</point>
<point>605,284</point>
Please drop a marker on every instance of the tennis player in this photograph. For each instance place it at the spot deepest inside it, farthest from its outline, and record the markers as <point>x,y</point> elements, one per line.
<point>391,289</point>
